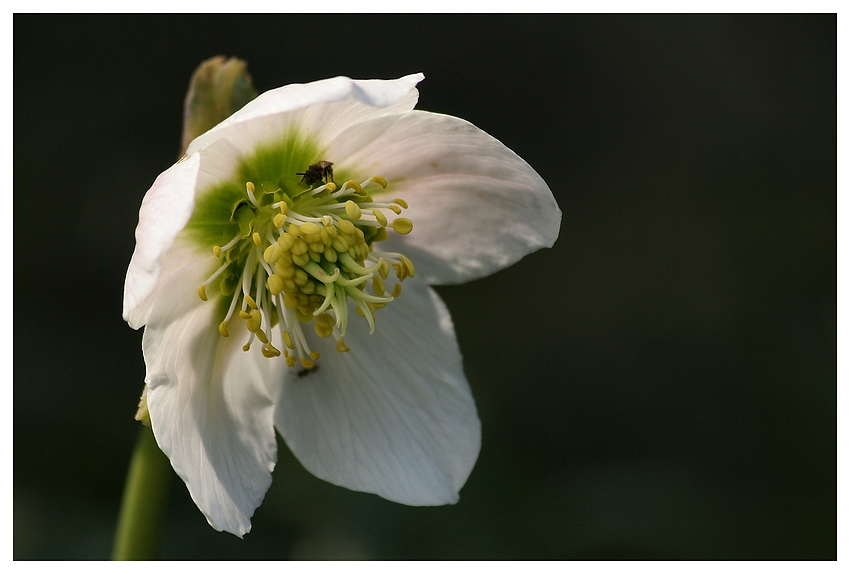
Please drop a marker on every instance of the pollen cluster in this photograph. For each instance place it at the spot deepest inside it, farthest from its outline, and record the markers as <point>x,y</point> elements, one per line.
<point>300,258</point>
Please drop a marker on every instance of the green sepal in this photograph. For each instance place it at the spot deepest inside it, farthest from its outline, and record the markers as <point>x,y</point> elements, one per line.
<point>218,88</point>
<point>380,235</point>
<point>300,192</point>
<point>228,284</point>
<point>244,216</point>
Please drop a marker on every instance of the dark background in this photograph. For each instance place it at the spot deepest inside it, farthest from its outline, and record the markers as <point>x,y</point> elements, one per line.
<point>661,384</point>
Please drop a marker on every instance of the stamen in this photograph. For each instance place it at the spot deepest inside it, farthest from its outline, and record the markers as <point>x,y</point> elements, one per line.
<point>402,225</point>
<point>202,290</point>
<point>306,256</point>
<point>249,187</point>
<point>352,209</point>
<point>377,179</point>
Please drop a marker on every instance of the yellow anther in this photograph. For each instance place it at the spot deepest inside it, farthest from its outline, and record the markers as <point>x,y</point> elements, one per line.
<point>327,221</point>
<point>294,229</point>
<point>330,255</point>
<point>272,253</point>
<point>310,228</point>
<point>254,322</point>
<point>279,219</point>
<point>244,314</point>
<point>400,202</point>
<point>395,209</point>
<point>330,186</point>
<point>314,355</point>
<point>259,240</point>
<point>402,225</point>
<point>379,180</point>
<point>287,340</point>
<point>378,286</point>
<point>250,187</point>
<point>384,269</point>
<point>246,347</point>
<point>346,226</point>
<point>275,284</point>
<point>408,265</point>
<point>352,209</point>
<point>269,351</point>
<point>261,335</point>
<point>285,241</point>
<point>222,328</point>
<point>301,259</point>
<point>300,277</point>
<point>216,250</point>
<point>307,363</point>
<point>251,303</point>
<point>202,292</point>
<point>299,247</point>
<point>341,346</point>
<point>354,185</point>
<point>379,216</point>
<point>283,208</point>
<point>322,331</point>
<point>284,270</point>
<point>396,291</point>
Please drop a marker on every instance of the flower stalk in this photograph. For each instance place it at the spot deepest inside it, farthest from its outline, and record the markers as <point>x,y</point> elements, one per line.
<point>143,504</point>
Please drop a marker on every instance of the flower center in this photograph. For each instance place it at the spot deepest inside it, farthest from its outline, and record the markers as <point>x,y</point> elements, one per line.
<point>299,258</point>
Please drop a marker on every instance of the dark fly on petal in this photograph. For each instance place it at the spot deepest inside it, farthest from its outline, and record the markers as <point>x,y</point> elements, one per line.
<point>319,171</point>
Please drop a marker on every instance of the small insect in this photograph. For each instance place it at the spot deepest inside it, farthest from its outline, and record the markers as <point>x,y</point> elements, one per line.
<point>319,171</point>
<point>306,372</point>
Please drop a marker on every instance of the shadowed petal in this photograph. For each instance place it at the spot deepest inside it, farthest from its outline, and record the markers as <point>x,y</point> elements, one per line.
<point>395,415</point>
<point>211,414</point>
<point>166,209</point>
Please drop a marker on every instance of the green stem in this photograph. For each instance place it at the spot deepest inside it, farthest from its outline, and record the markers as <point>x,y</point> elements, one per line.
<point>143,505</point>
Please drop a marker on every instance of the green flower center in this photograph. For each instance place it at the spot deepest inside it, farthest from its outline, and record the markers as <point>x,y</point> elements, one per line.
<point>301,255</point>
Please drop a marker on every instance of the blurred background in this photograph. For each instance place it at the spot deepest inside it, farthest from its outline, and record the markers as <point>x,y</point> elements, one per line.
<point>670,395</point>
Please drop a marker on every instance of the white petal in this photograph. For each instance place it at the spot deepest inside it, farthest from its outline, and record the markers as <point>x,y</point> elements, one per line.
<point>165,210</point>
<point>211,413</point>
<point>173,295</point>
<point>476,206</point>
<point>395,415</point>
<point>319,110</point>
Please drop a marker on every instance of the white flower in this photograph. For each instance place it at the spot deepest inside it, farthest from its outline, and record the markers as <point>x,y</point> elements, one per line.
<point>251,254</point>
